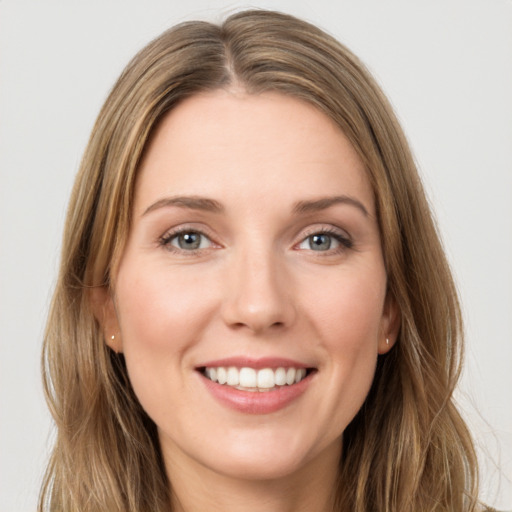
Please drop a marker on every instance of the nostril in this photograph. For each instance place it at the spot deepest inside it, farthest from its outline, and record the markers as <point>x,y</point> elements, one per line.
<point>258,325</point>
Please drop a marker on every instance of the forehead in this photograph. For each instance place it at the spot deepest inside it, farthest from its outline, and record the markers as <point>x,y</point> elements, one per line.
<point>231,145</point>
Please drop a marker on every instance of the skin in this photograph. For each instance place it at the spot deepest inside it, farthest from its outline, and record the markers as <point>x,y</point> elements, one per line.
<point>256,287</point>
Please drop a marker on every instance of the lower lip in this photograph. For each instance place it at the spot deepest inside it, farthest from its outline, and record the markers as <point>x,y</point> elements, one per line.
<point>256,402</point>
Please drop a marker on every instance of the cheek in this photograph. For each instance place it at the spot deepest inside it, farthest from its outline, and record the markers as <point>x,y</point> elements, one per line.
<point>159,310</point>
<point>160,317</point>
<point>351,334</point>
<point>347,320</point>
<point>348,310</point>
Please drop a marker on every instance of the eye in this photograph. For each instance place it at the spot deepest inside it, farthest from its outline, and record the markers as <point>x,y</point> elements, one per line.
<point>325,241</point>
<point>187,241</point>
<point>319,242</point>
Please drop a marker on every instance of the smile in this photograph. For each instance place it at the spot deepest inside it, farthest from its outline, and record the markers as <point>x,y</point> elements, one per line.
<point>254,380</point>
<point>256,385</point>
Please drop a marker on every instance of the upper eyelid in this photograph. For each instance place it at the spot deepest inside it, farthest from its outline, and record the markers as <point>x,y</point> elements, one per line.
<point>324,228</point>
<point>186,228</point>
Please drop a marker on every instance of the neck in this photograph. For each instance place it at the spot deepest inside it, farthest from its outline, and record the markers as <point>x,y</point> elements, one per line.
<point>309,489</point>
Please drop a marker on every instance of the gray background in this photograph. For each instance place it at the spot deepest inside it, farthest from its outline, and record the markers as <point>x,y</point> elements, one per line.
<point>445,64</point>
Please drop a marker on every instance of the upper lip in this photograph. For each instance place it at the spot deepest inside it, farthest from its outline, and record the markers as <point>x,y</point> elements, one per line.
<point>256,363</point>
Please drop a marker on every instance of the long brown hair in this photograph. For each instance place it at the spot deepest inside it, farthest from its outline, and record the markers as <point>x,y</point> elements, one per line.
<point>408,448</point>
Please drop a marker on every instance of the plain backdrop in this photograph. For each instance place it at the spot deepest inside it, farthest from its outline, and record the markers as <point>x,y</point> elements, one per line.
<point>446,66</point>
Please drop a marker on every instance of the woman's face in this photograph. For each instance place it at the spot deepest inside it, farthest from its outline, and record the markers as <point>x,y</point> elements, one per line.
<point>250,302</point>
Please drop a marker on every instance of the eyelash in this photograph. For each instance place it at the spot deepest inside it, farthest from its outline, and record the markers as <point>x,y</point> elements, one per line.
<point>167,238</point>
<point>344,241</point>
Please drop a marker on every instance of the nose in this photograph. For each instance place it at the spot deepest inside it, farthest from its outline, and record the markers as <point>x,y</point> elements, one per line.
<point>258,294</point>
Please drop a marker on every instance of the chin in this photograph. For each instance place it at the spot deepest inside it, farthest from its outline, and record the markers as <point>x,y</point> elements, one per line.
<point>271,457</point>
<point>261,467</point>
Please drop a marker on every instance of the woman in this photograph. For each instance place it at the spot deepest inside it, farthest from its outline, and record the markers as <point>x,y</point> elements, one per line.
<point>254,311</point>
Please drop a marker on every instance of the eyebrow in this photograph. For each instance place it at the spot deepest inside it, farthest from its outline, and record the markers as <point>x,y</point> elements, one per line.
<point>326,202</point>
<point>211,205</point>
<point>190,202</point>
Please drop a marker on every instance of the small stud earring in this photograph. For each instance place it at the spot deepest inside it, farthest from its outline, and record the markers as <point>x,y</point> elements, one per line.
<point>113,337</point>
<point>387,340</point>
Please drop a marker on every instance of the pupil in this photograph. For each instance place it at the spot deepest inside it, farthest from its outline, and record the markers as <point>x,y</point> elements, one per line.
<point>190,241</point>
<point>320,242</point>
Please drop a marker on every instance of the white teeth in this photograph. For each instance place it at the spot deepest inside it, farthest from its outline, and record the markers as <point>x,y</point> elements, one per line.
<point>212,374</point>
<point>222,375</point>
<point>233,379</point>
<point>280,377</point>
<point>248,378</point>
<point>300,374</point>
<point>255,380</point>
<point>266,378</point>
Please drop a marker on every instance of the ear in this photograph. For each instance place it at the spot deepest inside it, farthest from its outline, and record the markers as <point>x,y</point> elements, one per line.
<point>105,313</point>
<point>390,325</point>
